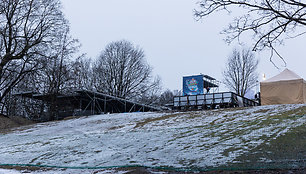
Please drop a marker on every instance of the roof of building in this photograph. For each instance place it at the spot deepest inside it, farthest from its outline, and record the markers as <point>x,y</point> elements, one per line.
<point>284,76</point>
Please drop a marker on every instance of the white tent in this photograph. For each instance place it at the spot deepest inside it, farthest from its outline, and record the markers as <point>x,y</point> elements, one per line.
<point>284,88</point>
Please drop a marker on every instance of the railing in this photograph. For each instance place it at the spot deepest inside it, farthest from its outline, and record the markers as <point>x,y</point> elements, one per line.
<point>211,101</point>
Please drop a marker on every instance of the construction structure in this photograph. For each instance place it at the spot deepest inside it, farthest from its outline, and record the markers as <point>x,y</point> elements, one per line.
<point>78,103</point>
<point>211,101</point>
<point>196,98</point>
<point>196,84</point>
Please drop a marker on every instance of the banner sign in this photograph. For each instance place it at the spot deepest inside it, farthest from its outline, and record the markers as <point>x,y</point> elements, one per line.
<point>193,85</point>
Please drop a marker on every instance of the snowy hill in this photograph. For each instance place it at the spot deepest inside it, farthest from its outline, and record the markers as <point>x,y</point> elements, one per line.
<point>266,136</point>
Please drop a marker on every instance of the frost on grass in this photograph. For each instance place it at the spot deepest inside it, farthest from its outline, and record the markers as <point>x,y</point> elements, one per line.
<point>184,139</point>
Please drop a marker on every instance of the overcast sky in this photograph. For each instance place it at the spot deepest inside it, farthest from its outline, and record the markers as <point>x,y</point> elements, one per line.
<point>175,44</point>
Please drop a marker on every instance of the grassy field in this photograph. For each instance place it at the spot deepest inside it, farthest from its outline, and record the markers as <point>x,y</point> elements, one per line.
<point>257,138</point>
<point>287,150</point>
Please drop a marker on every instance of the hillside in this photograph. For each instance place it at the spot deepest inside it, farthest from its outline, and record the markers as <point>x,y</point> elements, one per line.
<point>265,137</point>
<point>6,123</point>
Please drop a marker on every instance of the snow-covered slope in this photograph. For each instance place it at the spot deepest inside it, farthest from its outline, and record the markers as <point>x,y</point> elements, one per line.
<point>200,139</point>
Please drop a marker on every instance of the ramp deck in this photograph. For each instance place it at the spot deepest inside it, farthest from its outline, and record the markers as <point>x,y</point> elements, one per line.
<point>211,101</point>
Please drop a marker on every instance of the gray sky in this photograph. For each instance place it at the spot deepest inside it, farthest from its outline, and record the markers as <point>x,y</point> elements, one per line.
<point>175,43</point>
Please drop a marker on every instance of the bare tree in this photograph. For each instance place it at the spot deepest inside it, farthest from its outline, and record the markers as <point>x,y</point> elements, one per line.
<point>149,94</point>
<point>122,71</point>
<point>240,74</point>
<point>55,76</point>
<point>270,21</point>
<point>166,97</point>
<point>26,29</point>
<point>82,73</point>
<point>57,71</point>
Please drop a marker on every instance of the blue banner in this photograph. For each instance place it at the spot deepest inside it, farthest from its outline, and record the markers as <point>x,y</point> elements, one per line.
<point>193,85</point>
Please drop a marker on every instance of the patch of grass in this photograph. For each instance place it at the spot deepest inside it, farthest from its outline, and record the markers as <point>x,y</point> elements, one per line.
<point>301,111</point>
<point>233,109</point>
<point>150,120</point>
<point>284,151</point>
<point>116,127</point>
<point>193,115</point>
<point>280,117</point>
<point>261,111</point>
<point>228,119</point>
<point>28,169</point>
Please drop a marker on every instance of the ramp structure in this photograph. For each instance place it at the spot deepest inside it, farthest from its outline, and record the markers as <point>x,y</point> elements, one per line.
<point>211,101</point>
<point>195,98</point>
<point>78,103</point>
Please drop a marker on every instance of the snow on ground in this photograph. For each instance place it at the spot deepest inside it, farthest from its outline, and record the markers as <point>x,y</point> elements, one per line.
<point>7,171</point>
<point>183,139</point>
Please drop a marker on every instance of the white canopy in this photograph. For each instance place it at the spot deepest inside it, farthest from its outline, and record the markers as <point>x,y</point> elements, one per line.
<point>284,76</point>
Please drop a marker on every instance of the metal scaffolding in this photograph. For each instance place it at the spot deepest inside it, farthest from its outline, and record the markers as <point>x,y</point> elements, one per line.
<point>84,102</point>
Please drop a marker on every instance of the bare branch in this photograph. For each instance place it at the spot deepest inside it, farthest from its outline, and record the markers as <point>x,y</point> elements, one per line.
<point>269,21</point>
<point>27,29</point>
